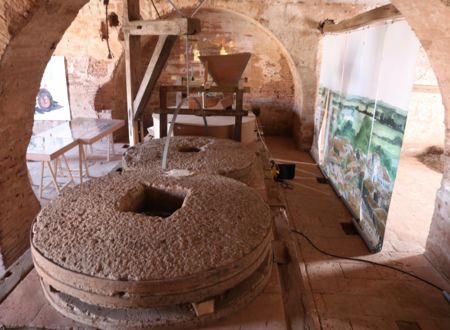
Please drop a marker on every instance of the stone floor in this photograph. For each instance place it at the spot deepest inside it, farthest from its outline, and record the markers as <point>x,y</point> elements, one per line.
<point>340,294</point>
<point>352,295</point>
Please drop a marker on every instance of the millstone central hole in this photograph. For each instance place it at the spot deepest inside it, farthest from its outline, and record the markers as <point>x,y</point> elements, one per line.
<point>152,201</point>
<point>187,149</point>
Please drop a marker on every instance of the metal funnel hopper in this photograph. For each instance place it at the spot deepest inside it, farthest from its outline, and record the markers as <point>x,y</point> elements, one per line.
<point>226,70</point>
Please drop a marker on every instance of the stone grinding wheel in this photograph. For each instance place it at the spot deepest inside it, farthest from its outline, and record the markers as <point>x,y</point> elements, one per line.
<point>107,247</point>
<point>194,153</point>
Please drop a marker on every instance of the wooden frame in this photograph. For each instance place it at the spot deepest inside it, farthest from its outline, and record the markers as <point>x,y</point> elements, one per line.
<point>379,14</point>
<point>167,30</point>
<point>238,112</point>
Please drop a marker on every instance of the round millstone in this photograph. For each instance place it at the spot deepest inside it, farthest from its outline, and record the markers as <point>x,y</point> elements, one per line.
<point>196,154</point>
<point>140,240</point>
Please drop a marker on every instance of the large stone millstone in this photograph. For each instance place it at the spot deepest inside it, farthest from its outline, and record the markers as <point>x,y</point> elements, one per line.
<point>196,154</point>
<point>140,240</point>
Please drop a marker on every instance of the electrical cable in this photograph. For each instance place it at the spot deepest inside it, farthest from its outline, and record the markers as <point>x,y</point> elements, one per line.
<point>169,134</point>
<point>156,9</point>
<point>444,292</point>
<point>198,8</point>
<point>176,8</point>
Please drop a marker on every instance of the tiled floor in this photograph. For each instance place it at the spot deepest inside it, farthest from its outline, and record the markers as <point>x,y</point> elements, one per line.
<point>341,294</point>
<point>26,307</point>
<point>352,295</point>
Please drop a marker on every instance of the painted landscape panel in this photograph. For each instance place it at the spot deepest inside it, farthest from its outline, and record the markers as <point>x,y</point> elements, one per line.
<point>365,107</point>
<point>362,158</point>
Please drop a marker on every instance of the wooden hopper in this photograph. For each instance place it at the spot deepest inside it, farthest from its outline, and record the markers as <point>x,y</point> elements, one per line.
<point>226,70</point>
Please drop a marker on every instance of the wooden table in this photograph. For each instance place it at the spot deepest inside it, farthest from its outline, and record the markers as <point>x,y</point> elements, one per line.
<point>47,149</point>
<point>53,143</point>
<point>90,130</point>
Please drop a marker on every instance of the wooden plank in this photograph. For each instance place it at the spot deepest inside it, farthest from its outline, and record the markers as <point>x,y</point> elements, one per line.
<point>238,119</point>
<point>170,286</point>
<point>200,89</point>
<point>153,72</point>
<point>199,112</point>
<point>15,274</point>
<point>132,62</point>
<point>162,116</point>
<point>204,308</point>
<point>379,14</point>
<point>431,89</point>
<point>173,26</point>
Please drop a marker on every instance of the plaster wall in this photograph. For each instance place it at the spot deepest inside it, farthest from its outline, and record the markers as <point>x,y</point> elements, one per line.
<point>425,126</point>
<point>429,20</point>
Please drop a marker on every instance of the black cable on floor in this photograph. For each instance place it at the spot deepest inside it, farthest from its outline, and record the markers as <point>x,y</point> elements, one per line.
<point>444,292</point>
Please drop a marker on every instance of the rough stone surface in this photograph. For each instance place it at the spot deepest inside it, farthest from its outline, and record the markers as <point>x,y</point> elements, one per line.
<point>214,156</point>
<point>84,230</point>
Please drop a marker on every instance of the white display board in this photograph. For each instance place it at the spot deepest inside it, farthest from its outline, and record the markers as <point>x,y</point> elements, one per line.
<point>52,101</point>
<point>365,87</point>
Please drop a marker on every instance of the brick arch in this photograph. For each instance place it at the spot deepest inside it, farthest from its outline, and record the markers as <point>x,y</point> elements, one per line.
<point>35,28</point>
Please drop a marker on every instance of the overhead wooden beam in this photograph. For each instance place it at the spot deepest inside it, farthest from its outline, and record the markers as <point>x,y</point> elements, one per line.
<point>173,26</point>
<point>206,112</point>
<point>153,72</point>
<point>431,89</point>
<point>379,14</point>
<point>132,63</point>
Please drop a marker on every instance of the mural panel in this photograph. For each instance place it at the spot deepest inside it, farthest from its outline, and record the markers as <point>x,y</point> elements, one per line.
<point>366,119</point>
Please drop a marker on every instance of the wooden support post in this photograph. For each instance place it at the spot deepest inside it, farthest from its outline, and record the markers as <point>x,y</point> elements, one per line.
<point>132,61</point>
<point>379,14</point>
<point>238,119</point>
<point>163,116</point>
<point>154,69</point>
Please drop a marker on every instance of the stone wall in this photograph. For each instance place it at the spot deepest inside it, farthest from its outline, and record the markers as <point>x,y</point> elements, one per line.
<point>268,73</point>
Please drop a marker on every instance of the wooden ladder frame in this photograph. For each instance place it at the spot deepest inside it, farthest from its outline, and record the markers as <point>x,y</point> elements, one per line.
<point>139,92</point>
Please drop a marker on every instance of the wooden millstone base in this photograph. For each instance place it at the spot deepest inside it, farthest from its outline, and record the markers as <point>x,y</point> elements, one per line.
<point>179,316</point>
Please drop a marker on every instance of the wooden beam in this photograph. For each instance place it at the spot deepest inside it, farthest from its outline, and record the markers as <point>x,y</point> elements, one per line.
<point>153,72</point>
<point>379,14</point>
<point>173,26</point>
<point>200,89</point>
<point>199,112</point>
<point>204,308</point>
<point>431,89</point>
<point>132,62</point>
<point>15,274</point>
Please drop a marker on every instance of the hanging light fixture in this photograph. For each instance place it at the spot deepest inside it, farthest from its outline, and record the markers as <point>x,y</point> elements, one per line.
<point>223,50</point>
<point>196,53</point>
